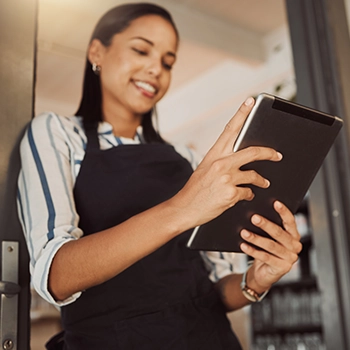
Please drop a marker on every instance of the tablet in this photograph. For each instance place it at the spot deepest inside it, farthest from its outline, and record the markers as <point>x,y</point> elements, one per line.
<point>303,136</point>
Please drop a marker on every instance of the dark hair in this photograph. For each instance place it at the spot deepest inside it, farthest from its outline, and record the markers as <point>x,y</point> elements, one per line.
<point>115,21</point>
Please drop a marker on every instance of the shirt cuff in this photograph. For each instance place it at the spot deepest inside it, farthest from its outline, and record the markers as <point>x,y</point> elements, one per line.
<point>218,264</point>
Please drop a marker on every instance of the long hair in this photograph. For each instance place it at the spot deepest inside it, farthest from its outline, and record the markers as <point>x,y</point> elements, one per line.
<point>116,21</point>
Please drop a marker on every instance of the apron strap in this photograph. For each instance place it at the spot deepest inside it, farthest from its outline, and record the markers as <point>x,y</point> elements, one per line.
<point>92,136</point>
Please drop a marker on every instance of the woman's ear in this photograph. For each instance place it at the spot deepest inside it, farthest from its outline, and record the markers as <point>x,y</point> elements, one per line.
<point>95,52</point>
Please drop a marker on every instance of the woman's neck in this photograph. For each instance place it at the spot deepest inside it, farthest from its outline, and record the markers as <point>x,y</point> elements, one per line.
<point>124,123</point>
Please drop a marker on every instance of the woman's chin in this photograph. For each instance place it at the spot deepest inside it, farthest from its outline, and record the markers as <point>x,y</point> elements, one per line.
<point>141,110</point>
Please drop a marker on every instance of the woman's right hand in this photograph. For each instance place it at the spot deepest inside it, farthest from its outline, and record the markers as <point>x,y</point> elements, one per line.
<point>215,184</point>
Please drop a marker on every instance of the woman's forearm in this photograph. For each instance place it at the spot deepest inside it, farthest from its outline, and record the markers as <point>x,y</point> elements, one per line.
<point>96,258</point>
<point>229,289</point>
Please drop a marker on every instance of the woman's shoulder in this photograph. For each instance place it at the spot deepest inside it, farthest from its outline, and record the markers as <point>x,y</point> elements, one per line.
<point>54,120</point>
<point>51,124</point>
<point>50,129</point>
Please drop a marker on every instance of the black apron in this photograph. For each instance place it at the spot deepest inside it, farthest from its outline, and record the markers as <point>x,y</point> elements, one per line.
<point>164,301</point>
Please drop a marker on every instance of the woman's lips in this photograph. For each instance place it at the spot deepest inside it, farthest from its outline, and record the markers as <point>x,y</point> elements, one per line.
<point>147,89</point>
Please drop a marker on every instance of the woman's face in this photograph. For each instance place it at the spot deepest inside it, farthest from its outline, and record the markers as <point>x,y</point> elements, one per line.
<point>136,67</point>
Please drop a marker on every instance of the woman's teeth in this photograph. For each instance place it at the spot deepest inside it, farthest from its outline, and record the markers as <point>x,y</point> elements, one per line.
<point>145,86</point>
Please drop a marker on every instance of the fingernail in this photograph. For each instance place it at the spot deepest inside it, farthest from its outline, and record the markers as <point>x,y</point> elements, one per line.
<point>249,101</point>
<point>244,246</point>
<point>256,219</point>
<point>267,183</point>
<point>245,234</point>
<point>280,156</point>
<point>278,205</point>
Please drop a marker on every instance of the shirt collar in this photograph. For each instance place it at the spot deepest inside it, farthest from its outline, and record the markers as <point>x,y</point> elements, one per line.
<point>105,128</point>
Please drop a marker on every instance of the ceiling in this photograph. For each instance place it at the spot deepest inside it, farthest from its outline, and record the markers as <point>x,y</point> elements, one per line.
<point>66,25</point>
<point>254,15</point>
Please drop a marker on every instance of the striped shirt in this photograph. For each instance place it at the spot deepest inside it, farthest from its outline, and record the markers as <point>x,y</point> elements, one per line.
<point>52,151</point>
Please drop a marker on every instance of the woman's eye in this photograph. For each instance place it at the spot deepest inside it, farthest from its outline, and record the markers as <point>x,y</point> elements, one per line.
<point>140,52</point>
<point>167,66</point>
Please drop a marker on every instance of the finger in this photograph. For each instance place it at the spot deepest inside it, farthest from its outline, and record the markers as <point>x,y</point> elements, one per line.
<point>251,177</point>
<point>226,140</point>
<point>244,193</point>
<point>255,153</point>
<point>288,219</point>
<point>270,246</point>
<point>282,266</point>
<point>276,232</point>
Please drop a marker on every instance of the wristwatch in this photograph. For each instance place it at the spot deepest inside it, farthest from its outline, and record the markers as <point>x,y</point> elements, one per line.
<point>249,293</point>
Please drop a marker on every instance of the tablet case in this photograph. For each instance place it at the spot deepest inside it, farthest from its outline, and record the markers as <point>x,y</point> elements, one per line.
<point>304,137</point>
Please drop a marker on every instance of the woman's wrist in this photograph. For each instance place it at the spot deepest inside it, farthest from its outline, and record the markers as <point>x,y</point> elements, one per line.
<point>174,217</point>
<point>253,284</point>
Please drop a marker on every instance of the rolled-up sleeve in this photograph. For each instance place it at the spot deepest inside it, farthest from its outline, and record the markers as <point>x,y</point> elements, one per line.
<point>219,264</point>
<point>45,197</point>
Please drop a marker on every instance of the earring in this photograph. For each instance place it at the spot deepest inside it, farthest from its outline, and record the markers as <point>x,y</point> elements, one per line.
<point>96,68</point>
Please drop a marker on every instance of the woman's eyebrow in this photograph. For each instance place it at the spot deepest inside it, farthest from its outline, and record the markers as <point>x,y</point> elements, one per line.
<point>152,44</point>
<point>144,39</point>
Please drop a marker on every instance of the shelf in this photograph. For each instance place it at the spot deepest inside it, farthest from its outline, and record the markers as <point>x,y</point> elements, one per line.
<point>289,330</point>
<point>306,283</point>
<point>290,316</point>
<point>294,341</point>
<point>290,307</point>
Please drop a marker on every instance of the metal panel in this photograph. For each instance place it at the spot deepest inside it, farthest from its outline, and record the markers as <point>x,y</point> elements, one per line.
<point>321,49</point>
<point>17,39</point>
<point>9,302</point>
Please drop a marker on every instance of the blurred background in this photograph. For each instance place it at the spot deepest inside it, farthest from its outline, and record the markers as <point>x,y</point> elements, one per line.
<point>229,50</point>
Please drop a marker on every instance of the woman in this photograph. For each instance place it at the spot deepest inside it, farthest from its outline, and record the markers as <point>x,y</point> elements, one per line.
<point>107,206</point>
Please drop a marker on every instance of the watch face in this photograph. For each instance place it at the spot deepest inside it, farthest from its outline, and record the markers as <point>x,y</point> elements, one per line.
<point>248,294</point>
<point>251,294</point>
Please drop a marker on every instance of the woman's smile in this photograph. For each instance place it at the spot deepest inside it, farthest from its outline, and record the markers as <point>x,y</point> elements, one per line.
<point>146,88</point>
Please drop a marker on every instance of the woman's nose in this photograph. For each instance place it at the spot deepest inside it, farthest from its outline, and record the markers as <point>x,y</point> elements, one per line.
<point>155,68</point>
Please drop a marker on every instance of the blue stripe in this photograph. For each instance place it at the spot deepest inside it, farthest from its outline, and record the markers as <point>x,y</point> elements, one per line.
<point>140,138</point>
<point>44,185</point>
<point>108,141</point>
<point>223,258</point>
<point>119,141</point>
<point>108,132</point>
<point>19,200</point>
<point>82,140</point>
<point>60,122</point>
<point>30,224</point>
<point>60,166</point>
<point>69,139</point>
<point>71,229</point>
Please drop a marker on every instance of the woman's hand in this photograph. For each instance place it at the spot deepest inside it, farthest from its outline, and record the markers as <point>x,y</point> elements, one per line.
<point>215,184</point>
<point>278,254</point>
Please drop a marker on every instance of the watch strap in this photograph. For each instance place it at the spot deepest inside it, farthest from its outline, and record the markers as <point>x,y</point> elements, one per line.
<point>249,293</point>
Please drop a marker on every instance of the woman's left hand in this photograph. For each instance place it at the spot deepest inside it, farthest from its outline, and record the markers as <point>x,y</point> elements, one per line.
<point>277,255</point>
